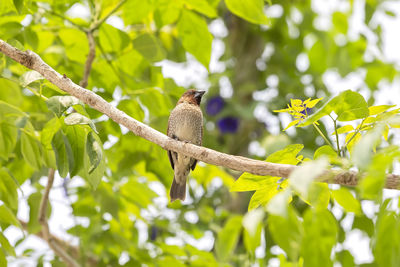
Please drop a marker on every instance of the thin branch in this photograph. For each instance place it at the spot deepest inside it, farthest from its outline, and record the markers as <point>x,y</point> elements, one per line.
<point>32,61</point>
<point>89,59</point>
<point>54,245</point>
<point>71,249</point>
<point>97,23</point>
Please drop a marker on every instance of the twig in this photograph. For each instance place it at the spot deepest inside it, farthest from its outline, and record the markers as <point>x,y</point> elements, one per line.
<point>89,59</point>
<point>54,245</point>
<point>97,24</point>
<point>71,249</point>
<point>32,61</point>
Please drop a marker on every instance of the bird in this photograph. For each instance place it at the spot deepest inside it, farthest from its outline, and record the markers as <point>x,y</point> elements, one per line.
<point>185,123</point>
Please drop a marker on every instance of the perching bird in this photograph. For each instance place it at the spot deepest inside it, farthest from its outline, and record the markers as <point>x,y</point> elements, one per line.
<point>185,123</point>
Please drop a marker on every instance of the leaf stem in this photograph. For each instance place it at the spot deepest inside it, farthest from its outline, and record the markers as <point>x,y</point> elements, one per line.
<point>337,136</point>
<point>322,134</point>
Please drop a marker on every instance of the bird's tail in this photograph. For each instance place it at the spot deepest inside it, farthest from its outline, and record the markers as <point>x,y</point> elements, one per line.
<point>178,191</point>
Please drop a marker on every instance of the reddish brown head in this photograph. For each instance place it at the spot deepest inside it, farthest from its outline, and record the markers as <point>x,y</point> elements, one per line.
<point>192,97</point>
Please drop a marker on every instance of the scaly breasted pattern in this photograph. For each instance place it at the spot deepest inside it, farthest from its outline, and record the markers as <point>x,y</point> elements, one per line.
<point>185,123</point>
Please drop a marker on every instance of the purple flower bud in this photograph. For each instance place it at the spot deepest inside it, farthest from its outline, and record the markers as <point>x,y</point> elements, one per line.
<point>228,125</point>
<point>306,111</point>
<point>215,105</point>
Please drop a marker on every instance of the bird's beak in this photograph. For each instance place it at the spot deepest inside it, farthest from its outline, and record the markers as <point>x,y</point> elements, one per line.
<point>199,94</point>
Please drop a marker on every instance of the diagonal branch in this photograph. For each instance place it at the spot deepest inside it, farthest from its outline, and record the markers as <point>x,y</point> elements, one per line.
<point>53,243</point>
<point>32,61</point>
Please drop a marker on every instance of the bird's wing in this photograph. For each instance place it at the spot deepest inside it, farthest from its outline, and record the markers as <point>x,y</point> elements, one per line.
<point>200,143</point>
<point>170,152</point>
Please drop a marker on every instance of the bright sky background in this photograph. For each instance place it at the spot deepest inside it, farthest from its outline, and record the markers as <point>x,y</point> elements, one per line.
<point>193,72</point>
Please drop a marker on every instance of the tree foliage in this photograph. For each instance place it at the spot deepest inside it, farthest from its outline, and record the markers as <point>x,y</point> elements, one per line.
<point>254,57</point>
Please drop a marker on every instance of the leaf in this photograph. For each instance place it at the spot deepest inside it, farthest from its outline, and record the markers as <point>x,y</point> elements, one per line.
<point>94,151</point>
<point>250,10</point>
<point>6,245</point>
<point>195,37</point>
<point>252,223</point>
<point>362,153</point>
<point>228,237</point>
<point>59,104</point>
<point>302,177</point>
<point>150,47</point>
<point>63,152</point>
<point>19,5</point>
<point>262,196</point>
<point>313,102</point>
<point>77,138</point>
<point>278,205</point>
<point>7,217</point>
<point>291,124</point>
<point>30,77</point>
<point>344,129</point>
<point>8,139</point>
<point>8,189</point>
<point>348,106</point>
<point>374,110</point>
<point>48,132</point>
<point>203,7</point>
<point>77,118</point>
<point>346,199</point>
<point>325,150</point>
<point>30,149</point>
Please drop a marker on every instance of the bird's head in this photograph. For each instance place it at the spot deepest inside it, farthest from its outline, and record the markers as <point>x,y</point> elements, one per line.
<point>192,96</point>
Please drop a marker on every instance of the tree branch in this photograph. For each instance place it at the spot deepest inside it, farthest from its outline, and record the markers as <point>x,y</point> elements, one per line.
<point>53,243</point>
<point>89,59</point>
<point>32,61</point>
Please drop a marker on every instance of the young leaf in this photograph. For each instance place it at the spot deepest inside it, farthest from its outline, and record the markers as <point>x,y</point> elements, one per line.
<point>6,216</point>
<point>94,151</point>
<point>30,77</point>
<point>59,104</point>
<point>374,110</point>
<point>250,10</point>
<point>262,196</point>
<point>77,118</point>
<point>196,39</point>
<point>344,129</point>
<point>203,7</point>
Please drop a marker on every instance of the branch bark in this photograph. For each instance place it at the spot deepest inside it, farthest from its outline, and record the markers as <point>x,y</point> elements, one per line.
<point>32,61</point>
<point>53,243</point>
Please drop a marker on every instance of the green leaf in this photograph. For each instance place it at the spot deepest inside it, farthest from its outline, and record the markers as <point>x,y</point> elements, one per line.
<point>374,110</point>
<point>19,5</point>
<point>325,150</point>
<point>31,150</point>
<point>202,6</point>
<point>362,153</point>
<point>63,152</point>
<point>7,217</point>
<point>346,199</point>
<point>167,12</point>
<point>6,245</point>
<point>136,11</point>
<point>387,241</point>
<point>48,132</point>
<point>94,151</point>
<point>278,205</point>
<point>319,196</point>
<point>8,139</point>
<point>344,129</point>
<point>250,10</point>
<point>195,37</point>
<point>30,77</point>
<point>8,189</point>
<point>150,47</point>
<point>263,195</point>
<point>8,111</point>
<point>77,138</point>
<point>59,104</point>
<point>252,223</point>
<point>302,177</point>
<point>228,237</point>
<point>320,235</point>
<point>34,204</point>
<point>348,106</point>
<point>287,232</point>
<point>112,39</point>
<point>77,118</point>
